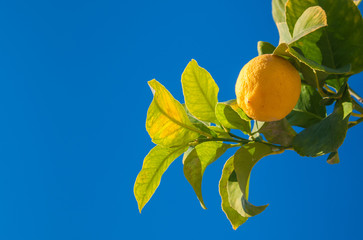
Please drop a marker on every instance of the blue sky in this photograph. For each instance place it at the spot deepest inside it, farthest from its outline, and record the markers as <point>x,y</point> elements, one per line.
<point>73,102</point>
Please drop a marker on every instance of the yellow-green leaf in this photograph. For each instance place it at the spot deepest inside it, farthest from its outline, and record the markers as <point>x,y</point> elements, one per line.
<point>234,183</point>
<point>200,92</point>
<point>221,133</point>
<point>285,50</point>
<point>333,158</point>
<point>167,122</point>
<point>278,13</point>
<point>225,186</point>
<point>311,20</point>
<point>154,166</point>
<point>244,160</point>
<point>278,132</point>
<point>265,48</point>
<point>230,117</point>
<point>197,160</point>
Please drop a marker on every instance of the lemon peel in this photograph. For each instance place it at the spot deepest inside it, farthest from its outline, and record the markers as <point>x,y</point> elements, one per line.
<point>268,88</point>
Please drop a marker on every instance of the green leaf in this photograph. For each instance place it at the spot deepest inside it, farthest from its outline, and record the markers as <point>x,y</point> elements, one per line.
<point>308,109</point>
<point>344,33</point>
<point>333,158</point>
<point>285,51</point>
<point>256,128</point>
<point>167,122</point>
<point>307,46</point>
<point>197,160</point>
<point>336,81</point>
<point>244,160</point>
<point>221,133</point>
<point>238,202</point>
<point>265,48</point>
<point>312,19</point>
<point>203,126</point>
<point>278,10</point>
<point>278,13</point>
<point>278,132</point>
<point>230,192</point>
<point>154,166</point>
<point>327,135</point>
<point>307,32</point>
<point>318,67</point>
<point>200,92</point>
<point>237,109</point>
<point>229,118</point>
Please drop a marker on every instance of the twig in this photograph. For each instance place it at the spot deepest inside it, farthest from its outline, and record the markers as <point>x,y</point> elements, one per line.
<point>354,94</point>
<point>352,124</point>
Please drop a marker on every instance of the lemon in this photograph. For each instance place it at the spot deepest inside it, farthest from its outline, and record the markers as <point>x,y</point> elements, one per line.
<point>268,88</point>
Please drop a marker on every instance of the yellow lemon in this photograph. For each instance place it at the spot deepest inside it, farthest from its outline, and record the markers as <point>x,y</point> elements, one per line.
<point>268,88</point>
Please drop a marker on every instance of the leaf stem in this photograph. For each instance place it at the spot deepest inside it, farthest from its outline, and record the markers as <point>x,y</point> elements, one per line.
<point>277,146</point>
<point>223,140</point>
<point>320,90</point>
<point>240,141</point>
<point>235,136</point>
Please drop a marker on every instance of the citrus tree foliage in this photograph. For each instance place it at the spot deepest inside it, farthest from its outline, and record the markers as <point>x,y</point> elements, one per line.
<point>323,39</point>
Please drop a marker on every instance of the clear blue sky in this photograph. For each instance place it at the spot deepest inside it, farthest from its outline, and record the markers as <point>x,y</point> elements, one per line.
<point>73,102</point>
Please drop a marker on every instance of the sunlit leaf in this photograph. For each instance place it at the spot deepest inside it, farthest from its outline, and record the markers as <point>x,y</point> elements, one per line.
<point>311,20</point>
<point>200,92</point>
<point>278,10</point>
<point>278,13</point>
<point>154,166</point>
<point>327,135</point>
<point>167,122</point>
<point>196,161</point>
